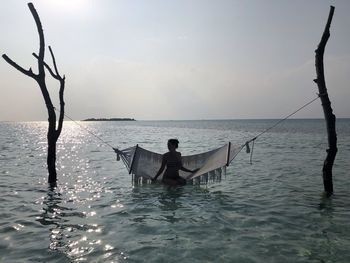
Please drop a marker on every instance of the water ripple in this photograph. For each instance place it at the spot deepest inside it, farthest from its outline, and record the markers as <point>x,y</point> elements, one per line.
<point>270,211</point>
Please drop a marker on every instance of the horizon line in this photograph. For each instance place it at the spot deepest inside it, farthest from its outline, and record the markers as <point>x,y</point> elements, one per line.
<point>218,119</point>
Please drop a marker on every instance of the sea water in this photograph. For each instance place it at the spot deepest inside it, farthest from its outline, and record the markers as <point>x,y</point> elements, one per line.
<point>272,210</point>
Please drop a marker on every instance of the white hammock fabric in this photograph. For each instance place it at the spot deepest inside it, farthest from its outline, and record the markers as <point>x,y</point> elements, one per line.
<point>144,164</point>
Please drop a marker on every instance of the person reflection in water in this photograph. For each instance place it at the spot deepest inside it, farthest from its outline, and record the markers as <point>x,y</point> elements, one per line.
<point>173,163</point>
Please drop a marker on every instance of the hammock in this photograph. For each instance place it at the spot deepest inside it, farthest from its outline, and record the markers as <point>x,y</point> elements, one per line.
<point>143,164</point>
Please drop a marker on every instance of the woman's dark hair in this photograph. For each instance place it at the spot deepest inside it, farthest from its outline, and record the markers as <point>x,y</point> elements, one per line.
<point>174,142</point>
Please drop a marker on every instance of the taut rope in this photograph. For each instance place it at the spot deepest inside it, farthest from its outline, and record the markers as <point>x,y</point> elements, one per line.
<point>273,126</point>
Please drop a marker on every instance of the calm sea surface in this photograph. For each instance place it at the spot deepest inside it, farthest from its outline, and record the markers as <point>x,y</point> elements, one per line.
<point>270,211</point>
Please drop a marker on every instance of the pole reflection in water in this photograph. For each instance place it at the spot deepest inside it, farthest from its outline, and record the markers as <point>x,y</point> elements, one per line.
<point>64,236</point>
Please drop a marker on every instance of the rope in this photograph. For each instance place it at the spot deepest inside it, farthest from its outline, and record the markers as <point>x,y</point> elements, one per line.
<point>86,129</point>
<point>274,125</point>
<point>285,118</point>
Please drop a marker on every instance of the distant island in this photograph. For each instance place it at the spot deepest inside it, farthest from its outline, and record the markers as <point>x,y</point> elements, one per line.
<point>109,119</point>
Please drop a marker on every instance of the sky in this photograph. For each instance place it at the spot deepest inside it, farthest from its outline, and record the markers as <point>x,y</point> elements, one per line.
<point>176,60</point>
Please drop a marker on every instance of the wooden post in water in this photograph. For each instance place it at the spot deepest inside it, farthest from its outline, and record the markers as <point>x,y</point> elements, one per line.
<point>327,109</point>
<point>53,132</point>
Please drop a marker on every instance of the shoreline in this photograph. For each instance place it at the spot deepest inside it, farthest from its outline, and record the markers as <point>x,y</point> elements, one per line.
<point>109,119</point>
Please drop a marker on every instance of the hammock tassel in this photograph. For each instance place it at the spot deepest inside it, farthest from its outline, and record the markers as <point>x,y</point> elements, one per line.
<point>247,148</point>
<point>251,153</point>
<point>118,153</point>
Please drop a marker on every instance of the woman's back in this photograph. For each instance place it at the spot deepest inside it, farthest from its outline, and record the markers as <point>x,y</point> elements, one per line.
<point>173,163</point>
<point>173,160</point>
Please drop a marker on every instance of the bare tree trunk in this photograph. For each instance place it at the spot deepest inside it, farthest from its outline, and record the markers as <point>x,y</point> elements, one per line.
<point>52,133</point>
<point>51,160</point>
<point>327,109</point>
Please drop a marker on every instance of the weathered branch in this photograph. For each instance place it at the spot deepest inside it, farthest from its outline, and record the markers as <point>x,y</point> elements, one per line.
<point>29,72</point>
<point>41,74</point>
<point>61,92</point>
<point>61,118</point>
<point>55,74</point>
<point>54,62</point>
<point>41,39</point>
<point>58,77</point>
<point>327,109</point>
<point>47,67</point>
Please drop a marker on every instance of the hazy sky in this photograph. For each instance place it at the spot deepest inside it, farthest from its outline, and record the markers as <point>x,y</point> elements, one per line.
<point>179,59</point>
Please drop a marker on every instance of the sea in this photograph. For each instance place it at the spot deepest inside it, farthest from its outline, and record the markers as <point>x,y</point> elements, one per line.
<point>269,207</point>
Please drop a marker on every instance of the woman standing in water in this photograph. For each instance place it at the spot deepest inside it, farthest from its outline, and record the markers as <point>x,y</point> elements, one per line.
<point>173,163</point>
